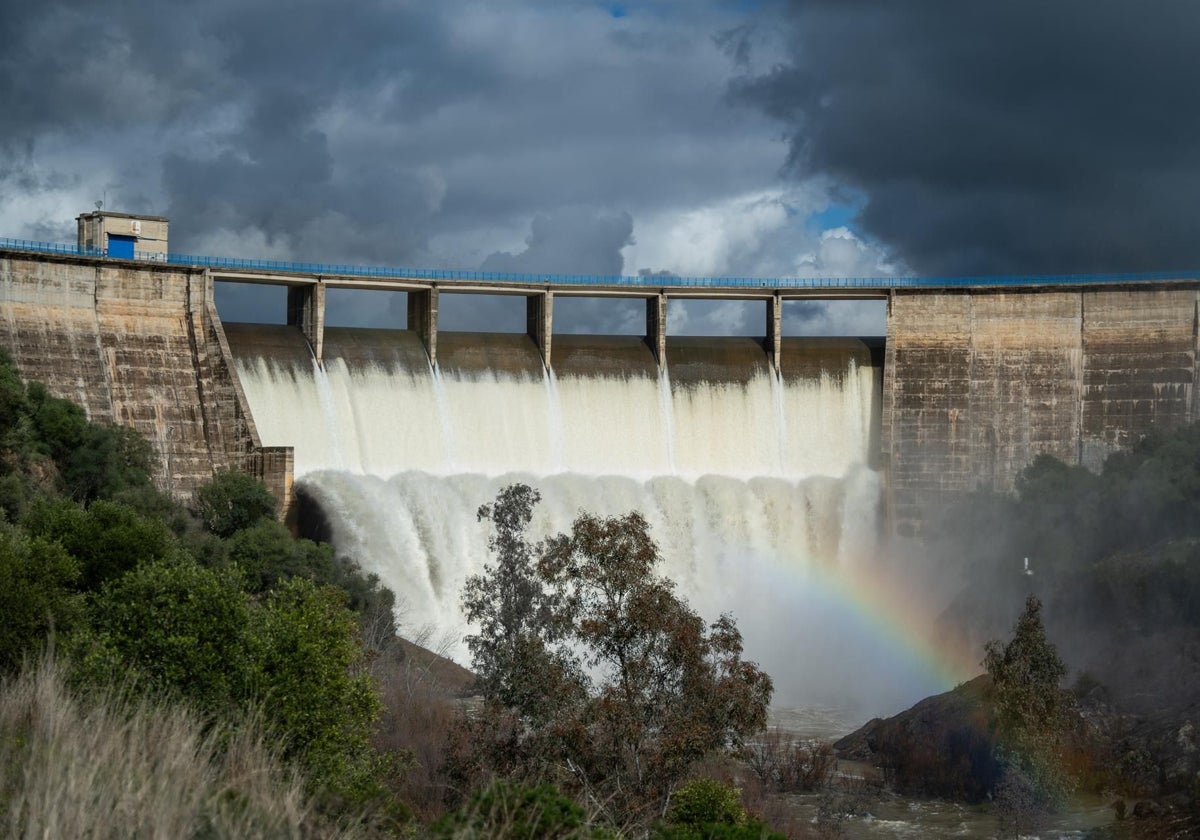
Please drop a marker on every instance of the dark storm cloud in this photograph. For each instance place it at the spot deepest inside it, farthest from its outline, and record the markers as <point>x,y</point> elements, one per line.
<point>375,131</point>
<point>405,133</point>
<point>578,240</point>
<point>1001,137</point>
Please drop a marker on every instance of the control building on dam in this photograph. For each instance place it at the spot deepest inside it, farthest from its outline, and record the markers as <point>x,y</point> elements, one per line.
<point>978,375</point>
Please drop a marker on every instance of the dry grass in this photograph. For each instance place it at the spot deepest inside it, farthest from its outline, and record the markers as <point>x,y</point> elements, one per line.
<point>110,766</point>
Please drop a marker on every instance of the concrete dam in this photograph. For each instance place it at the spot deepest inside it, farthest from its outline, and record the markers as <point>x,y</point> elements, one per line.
<point>768,467</point>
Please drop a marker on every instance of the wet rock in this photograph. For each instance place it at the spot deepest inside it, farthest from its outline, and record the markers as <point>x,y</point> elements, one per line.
<point>942,746</point>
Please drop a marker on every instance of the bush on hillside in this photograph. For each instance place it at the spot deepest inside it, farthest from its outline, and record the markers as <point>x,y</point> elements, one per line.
<point>505,811</point>
<point>308,671</point>
<point>228,614</point>
<point>234,500</point>
<point>38,596</point>
<point>179,627</point>
<point>107,538</point>
<point>706,800</point>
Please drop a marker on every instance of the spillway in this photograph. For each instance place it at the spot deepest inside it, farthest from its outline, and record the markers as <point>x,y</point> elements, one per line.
<point>757,487</point>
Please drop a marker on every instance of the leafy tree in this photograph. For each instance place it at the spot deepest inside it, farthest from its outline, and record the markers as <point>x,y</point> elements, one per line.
<point>296,657</point>
<point>108,460</point>
<point>13,402</point>
<point>1026,673</point>
<point>179,627</point>
<point>1031,712</point>
<point>107,538</point>
<point>232,501</point>
<point>38,594</point>
<point>94,461</point>
<point>511,654</point>
<point>1062,513</point>
<point>308,673</point>
<point>267,554</point>
<point>663,689</point>
<point>16,494</point>
<point>61,425</point>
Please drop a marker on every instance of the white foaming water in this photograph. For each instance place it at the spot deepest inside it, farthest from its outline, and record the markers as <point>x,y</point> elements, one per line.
<point>752,490</point>
<point>384,421</point>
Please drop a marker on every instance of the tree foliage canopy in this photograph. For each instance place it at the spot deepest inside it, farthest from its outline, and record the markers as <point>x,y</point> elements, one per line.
<point>1026,674</point>
<point>612,678</point>
<point>1031,715</point>
<point>232,501</point>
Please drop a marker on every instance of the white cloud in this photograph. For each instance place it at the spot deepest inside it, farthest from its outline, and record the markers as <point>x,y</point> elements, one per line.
<point>708,240</point>
<point>841,253</point>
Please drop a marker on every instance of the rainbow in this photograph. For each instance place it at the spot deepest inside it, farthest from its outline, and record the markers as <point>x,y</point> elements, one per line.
<point>857,634</point>
<point>898,618</point>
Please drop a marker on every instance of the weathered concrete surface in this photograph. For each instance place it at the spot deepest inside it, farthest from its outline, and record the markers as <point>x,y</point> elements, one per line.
<point>1139,366</point>
<point>978,383</point>
<point>306,310</point>
<point>539,322</point>
<point>140,346</point>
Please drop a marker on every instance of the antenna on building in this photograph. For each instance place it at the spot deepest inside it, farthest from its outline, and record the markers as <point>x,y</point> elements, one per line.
<point>99,204</point>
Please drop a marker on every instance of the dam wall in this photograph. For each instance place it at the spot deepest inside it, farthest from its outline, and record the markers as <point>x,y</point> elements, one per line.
<point>980,382</point>
<point>973,382</point>
<point>139,345</point>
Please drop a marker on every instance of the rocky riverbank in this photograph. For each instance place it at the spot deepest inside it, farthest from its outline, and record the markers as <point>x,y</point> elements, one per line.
<point>1145,763</point>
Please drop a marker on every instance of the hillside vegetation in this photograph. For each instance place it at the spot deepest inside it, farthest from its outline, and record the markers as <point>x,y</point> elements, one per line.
<point>159,628</point>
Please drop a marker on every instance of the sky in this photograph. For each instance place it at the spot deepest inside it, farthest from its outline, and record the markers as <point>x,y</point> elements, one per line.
<point>696,137</point>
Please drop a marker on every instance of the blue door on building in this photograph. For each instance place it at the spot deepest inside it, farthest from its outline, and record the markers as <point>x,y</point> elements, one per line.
<point>120,247</point>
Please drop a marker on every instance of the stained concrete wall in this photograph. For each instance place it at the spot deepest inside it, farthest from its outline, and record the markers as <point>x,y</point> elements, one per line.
<point>979,382</point>
<point>142,347</point>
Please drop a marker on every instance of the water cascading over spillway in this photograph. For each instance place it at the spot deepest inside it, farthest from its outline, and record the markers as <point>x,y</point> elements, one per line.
<point>754,485</point>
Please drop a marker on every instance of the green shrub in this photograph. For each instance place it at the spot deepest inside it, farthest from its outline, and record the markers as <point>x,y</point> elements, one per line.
<point>706,800</point>
<point>37,595</point>
<point>308,673</point>
<point>107,538</point>
<point>232,501</point>
<point>705,809</point>
<point>267,554</point>
<point>180,627</point>
<point>504,811</point>
<point>94,461</point>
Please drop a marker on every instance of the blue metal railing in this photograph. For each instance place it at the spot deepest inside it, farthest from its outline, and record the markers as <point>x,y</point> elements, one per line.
<point>627,281</point>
